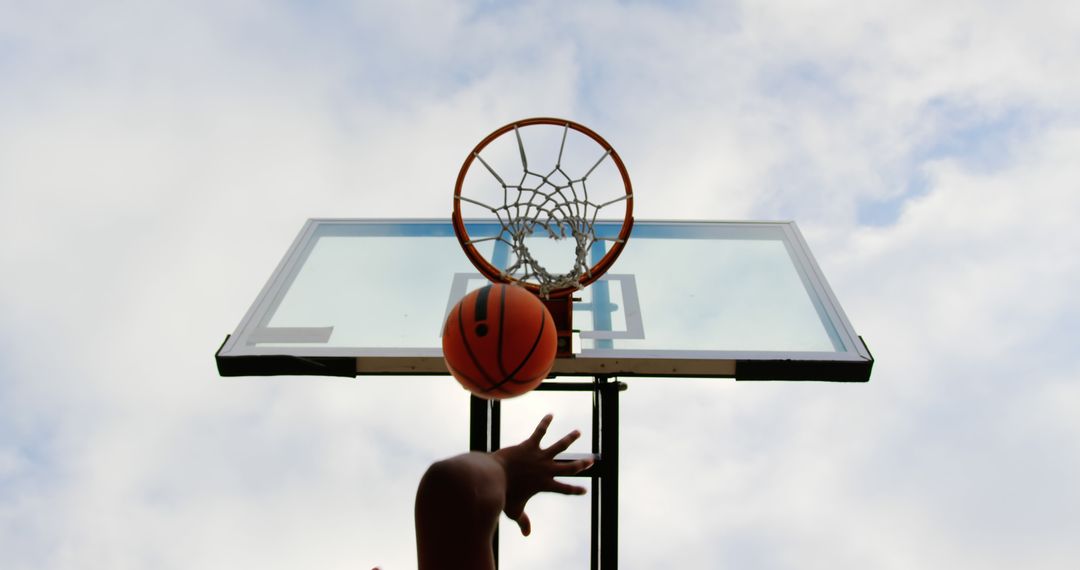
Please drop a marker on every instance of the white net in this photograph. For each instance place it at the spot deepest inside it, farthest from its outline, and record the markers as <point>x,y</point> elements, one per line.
<point>537,197</point>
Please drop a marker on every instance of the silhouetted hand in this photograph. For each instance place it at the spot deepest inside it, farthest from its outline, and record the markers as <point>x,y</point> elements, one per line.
<point>530,470</point>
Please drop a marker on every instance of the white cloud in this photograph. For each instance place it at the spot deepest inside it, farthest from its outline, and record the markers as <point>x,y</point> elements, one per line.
<point>157,159</point>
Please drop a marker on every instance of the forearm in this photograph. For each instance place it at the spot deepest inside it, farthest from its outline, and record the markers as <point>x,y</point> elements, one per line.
<point>458,504</point>
<point>460,499</point>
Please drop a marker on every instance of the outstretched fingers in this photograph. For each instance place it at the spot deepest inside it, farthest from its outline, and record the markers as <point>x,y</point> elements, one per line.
<point>564,443</point>
<point>541,430</point>
<point>565,488</point>
<point>524,524</point>
<point>572,467</point>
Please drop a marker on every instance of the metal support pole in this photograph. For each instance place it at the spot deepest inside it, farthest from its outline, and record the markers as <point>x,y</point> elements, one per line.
<point>597,487</point>
<point>608,393</point>
<point>484,427</point>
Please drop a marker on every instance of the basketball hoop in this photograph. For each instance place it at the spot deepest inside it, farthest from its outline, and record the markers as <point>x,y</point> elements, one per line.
<point>531,199</point>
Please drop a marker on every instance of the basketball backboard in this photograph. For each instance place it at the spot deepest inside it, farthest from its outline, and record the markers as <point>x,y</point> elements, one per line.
<point>742,300</point>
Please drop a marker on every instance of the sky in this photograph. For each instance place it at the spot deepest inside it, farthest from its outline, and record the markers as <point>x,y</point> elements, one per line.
<point>157,159</point>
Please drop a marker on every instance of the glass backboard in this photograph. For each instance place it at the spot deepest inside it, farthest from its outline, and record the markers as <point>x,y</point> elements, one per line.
<point>741,300</point>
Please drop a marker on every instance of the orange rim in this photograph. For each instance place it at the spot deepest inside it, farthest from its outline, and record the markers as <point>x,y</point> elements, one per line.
<point>599,268</point>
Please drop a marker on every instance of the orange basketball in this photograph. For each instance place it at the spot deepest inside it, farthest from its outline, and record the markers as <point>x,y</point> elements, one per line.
<point>499,341</point>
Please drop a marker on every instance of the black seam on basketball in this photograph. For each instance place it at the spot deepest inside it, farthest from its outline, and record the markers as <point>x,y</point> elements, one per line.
<point>502,329</point>
<point>528,356</point>
<point>481,304</point>
<point>460,375</point>
<point>468,349</point>
<point>499,388</point>
<point>536,343</point>
<point>476,386</point>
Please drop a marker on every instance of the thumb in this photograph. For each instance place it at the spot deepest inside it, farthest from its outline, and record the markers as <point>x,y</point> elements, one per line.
<point>524,524</point>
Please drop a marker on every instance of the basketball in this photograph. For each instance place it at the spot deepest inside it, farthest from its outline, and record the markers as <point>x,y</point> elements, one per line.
<point>499,341</point>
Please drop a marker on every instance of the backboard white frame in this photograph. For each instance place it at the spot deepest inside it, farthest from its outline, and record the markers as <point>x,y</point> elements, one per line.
<point>853,362</point>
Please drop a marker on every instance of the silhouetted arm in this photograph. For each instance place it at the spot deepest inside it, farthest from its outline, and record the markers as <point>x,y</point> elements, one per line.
<point>459,499</point>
